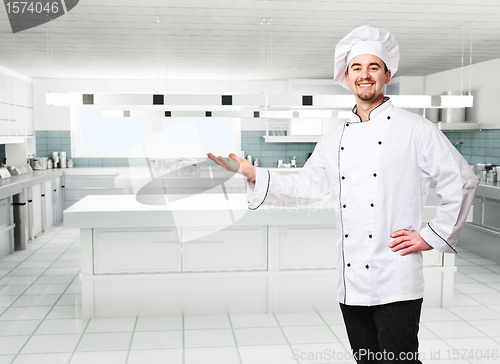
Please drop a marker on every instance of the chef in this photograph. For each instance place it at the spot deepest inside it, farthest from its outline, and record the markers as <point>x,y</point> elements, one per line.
<point>378,166</point>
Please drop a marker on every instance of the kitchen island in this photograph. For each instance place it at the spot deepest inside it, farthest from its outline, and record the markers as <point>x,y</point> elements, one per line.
<point>209,254</point>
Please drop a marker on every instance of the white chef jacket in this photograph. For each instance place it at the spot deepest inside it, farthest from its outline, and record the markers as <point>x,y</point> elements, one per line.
<point>379,172</point>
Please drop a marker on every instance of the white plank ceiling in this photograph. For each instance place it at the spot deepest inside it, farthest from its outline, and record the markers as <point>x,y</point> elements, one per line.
<point>224,39</point>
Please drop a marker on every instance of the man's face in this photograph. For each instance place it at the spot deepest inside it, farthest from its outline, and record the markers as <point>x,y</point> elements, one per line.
<point>366,78</point>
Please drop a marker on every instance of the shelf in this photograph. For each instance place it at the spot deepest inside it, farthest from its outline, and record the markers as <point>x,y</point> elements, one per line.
<point>458,126</point>
<point>11,140</point>
<point>293,139</point>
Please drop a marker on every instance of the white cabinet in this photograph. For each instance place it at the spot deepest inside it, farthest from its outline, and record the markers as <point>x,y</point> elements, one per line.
<point>16,107</point>
<point>228,249</point>
<point>54,198</point>
<point>78,186</point>
<point>304,248</point>
<point>136,251</point>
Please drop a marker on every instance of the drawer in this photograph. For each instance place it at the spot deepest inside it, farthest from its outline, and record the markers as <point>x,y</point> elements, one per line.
<point>136,251</point>
<point>229,249</point>
<point>303,247</point>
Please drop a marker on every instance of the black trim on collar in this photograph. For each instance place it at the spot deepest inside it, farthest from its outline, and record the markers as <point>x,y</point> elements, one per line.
<point>355,109</point>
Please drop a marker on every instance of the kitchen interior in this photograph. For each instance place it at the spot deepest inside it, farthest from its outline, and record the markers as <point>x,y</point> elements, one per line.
<point>120,242</point>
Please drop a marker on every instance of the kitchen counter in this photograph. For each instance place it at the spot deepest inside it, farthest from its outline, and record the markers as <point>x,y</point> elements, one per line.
<point>209,254</point>
<point>489,189</point>
<point>16,184</point>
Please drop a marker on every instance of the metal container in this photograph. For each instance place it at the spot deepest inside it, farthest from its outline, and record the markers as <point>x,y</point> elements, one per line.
<point>453,115</point>
<point>491,176</point>
<point>483,176</point>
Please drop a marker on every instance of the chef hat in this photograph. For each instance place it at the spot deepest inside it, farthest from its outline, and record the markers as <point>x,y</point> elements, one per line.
<point>365,40</point>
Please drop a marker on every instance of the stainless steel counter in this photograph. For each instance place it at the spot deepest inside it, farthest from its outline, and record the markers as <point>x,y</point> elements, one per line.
<point>489,190</point>
<point>15,184</point>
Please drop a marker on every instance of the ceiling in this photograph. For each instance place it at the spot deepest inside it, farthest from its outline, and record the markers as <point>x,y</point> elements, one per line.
<point>224,39</point>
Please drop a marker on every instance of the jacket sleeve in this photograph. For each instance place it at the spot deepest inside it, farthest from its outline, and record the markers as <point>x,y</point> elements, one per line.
<point>456,183</point>
<point>272,188</point>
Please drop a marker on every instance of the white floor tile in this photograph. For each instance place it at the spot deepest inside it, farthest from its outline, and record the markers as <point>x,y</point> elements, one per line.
<point>223,355</point>
<point>35,264</point>
<point>25,313</point>
<point>448,329</point>
<point>437,314</point>
<point>466,346</point>
<point>259,336</point>
<point>204,338</point>
<point>266,354</point>
<point>489,327</point>
<point>493,268</point>
<point>206,322</point>
<point>61,326</point>
<point>54,280</point>
<point>20,272</point>
<point>58,312</point>
<point>340,332</point>
<point>6,301</point>
<point>321,353</point>
<point>495,308</point>
<point>6,359</point>
<point>332,317</point>
<point>12,290</point>
<point>36,300</point>
<point>4,272</point>
<point>472,269</point>
<point>45,251</point>
<point>66,264</point>
<point>471,288</point>
<point>309,334</point>
<point>461,299</point>
<point>52,358</point>
<point>105,342</point>
<point>19,327</point>
<point>475,313</point>
<point>494,285</point>
<point>42,257</point>
<point>159,323</point>
<point>46,289</point>
<point>487,299</point>
<point>433,349</point>
<point>170,356</point>
<point>425,333</point>
<point>157,340</point>
<point>253,320</point>
<point>18,281</point>
<point>51,344</point>
<point>103,357</point>
<point>61,271</point>
<point>12,344</point>
<point>482,261</point>
<point>70,299</point>
<point>4,264</point>
<point>111,325</point>
<point>300,319</point>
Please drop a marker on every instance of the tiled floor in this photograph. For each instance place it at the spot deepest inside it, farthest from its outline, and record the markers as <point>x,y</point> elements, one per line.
<point>40,321</point>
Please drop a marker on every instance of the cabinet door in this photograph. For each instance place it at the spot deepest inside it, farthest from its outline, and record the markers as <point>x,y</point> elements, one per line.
<point>307,247</point>
<point>229,249</point>
<point>492,213</point>
<point>136,251</point>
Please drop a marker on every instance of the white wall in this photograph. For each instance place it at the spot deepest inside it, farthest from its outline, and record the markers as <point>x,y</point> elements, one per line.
<point>483,86</point>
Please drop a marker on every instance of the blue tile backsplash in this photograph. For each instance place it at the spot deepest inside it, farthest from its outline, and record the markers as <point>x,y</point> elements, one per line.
<point>481,146</point>
<point>268,154</point>
<point>476,146</point>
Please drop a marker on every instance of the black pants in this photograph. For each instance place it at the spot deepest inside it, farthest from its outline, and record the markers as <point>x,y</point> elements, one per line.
<point>384,333</point>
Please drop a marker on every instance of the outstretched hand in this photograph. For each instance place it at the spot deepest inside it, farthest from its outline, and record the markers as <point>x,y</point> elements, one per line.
<point>410,241</point>
<point>237,165</point>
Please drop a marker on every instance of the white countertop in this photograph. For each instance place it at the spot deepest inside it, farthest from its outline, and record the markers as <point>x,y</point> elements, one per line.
<point>199,210</point>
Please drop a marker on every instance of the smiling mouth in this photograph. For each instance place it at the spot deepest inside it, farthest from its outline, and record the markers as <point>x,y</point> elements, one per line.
<point>365,85</point>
